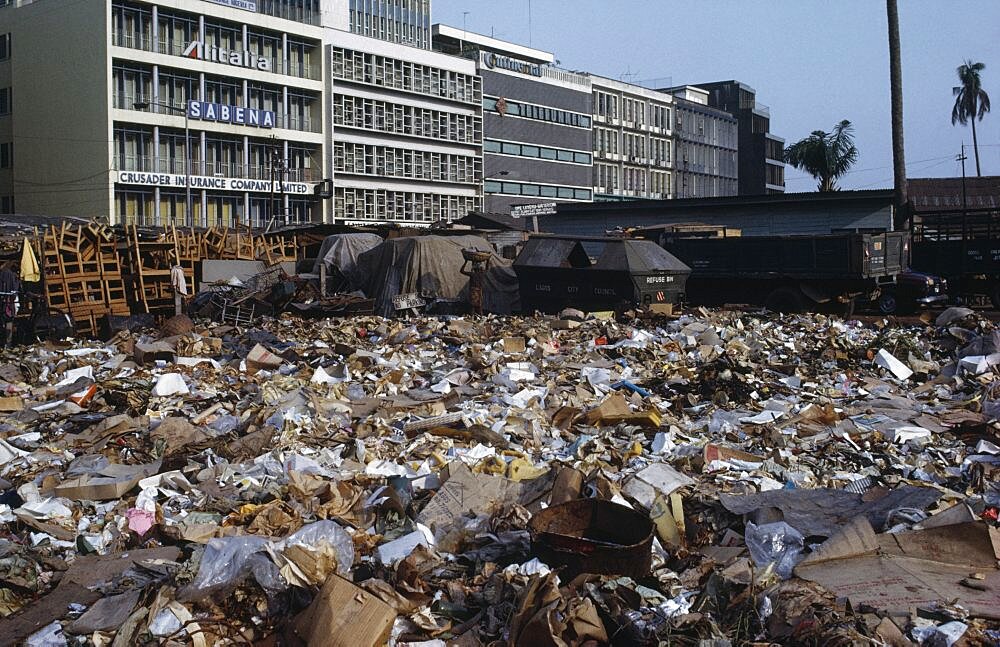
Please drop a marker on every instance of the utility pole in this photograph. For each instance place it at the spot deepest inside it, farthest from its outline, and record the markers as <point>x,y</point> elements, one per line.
<point>965,205</point>
<point>896,91</point>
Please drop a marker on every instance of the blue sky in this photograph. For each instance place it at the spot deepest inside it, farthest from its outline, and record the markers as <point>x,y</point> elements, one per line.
<point>813,62</point>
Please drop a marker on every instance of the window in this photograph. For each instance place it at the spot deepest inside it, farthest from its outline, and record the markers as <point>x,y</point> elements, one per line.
<point>7,204</point>
<point>490,146</point>
<point>6,155</point>
<point>4,47</point>
<point>6,101</point>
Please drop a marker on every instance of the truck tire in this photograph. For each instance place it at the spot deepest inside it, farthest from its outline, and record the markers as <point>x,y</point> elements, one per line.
<point>785,300</point>
<point>887,303</point>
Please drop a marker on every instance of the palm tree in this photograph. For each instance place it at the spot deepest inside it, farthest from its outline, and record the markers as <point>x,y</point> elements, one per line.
<point>896,91</point>
<point>825,156</point>
<point>971,101</point>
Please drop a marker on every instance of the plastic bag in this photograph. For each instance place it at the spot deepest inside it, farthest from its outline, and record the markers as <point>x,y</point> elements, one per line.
<point>324,532</point>
<point>775,542</point>
<point>228,561</point>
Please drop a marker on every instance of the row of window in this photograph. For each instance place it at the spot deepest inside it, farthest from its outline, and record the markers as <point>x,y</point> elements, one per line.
<point>540,152</point>
<point>133,83</point>
<point>363,67</point>
<point>136,149</point>
<point>633,110</point>
<point>707,129</point>
<point>6,155</point>
<point>138,206</point>
<point>702,158</point>
<point>704,186</point>
<point>381,116</point>
<point>397,21</point>
<point>537,190</point>
<point>639,181</point>
<point>401,206</point>
<point>384,161</point>
<point>506,108</point>
<point>132,27</point>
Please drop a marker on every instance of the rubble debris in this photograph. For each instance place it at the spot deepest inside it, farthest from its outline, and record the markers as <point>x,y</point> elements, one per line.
<point>710,477</point>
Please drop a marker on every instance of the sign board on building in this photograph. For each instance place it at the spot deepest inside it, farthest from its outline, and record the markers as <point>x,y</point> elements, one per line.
<point>497,61</point>
<point>215,183</point>
<point>202,52</point>
<point>529,210</point>
<point>249,5</point>
<point>230,114</point>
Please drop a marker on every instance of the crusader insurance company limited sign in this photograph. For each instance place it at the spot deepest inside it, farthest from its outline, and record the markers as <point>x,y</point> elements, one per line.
<point>216,183</point>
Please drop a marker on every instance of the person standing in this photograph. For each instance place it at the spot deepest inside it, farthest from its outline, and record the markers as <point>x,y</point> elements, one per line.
<point>10,286</point>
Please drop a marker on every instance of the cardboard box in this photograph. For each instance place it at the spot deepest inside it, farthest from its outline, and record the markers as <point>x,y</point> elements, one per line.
<point>343,615</point>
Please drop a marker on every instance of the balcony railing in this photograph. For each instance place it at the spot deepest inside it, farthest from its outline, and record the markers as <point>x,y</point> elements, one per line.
<point>123,101</point>
<point>144,41</point>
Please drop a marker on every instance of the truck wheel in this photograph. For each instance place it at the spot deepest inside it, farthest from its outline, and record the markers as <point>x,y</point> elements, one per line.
<point>887,303</point>
<point>785,300</point>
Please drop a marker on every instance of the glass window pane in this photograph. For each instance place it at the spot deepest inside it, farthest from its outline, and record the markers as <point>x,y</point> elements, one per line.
<point>490,146</point>
<point>566,193</point>
<point>511,149</point>
<point>565,156</point>
<point>548,153</point>
<point>548,192</point>
<point>529,151</point>
<point>582,158</point>
<point>512,188</point>
<point>491,187</point>
<point>529,189</point>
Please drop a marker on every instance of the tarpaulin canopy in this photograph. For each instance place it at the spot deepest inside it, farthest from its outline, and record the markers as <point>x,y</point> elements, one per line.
<point>431,266</point>
<point>341,251</point>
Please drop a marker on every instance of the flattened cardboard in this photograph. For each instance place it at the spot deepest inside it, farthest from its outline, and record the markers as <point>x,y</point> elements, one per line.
<point>110,483</point>
<point>898,572</point>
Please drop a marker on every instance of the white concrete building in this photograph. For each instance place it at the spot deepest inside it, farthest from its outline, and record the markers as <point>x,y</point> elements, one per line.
<point>102,91</point>
<point>632,142</point>
<point>130,110</point>
<point>405,131</point>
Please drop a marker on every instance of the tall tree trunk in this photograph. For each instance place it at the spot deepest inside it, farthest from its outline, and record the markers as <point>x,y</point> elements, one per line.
<point>896,89</point>
<point>975,143</point>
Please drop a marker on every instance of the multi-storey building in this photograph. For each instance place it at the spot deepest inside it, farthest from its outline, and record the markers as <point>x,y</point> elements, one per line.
<point>180,111</point>
<point>632,141</point>
<point>705,146</point>
<point>406,132</point>
<point>761,154</point>
<point>407,22</point>
<point>536,122</point>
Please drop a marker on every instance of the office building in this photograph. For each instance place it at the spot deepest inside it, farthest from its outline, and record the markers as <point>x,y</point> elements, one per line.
<point>537,122</point>
<point>705,146</point>
<point>761,154</point>
<point>99,99</point>
<point>405,131</point>
<point>406,22</point>
<point>632,141</point>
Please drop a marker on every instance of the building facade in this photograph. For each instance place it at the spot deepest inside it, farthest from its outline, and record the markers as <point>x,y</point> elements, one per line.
<point>705,144</point>
<point>632,142</point>
<point>761,154</point>
<point>405,133</point>
<point>537,123</point>
<point>407,22</point>
<point>147,99</point>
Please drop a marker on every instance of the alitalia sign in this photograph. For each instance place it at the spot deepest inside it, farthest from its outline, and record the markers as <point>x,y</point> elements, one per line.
<point>202,52</point>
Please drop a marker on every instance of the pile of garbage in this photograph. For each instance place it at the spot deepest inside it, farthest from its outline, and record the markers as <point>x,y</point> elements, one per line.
<point>713,478</point>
